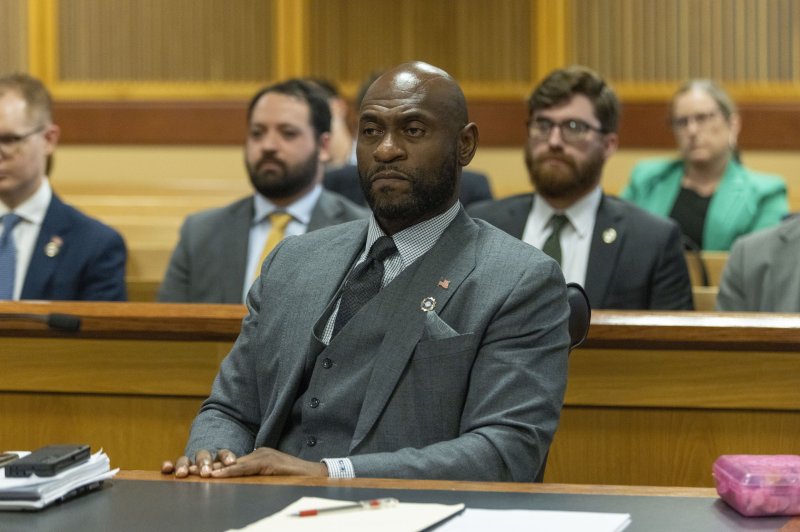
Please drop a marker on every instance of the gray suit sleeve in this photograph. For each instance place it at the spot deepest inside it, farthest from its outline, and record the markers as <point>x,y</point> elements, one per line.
<point>175,285</point>
<point>731,295</point>
<point>515,391</point>
<point>230,417</point>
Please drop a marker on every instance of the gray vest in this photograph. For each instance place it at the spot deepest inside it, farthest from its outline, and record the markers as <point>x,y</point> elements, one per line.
<point>325,414</point>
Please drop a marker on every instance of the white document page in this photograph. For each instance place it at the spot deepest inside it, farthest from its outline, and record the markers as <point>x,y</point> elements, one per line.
<point>405,517</point>
<point>539,520</point>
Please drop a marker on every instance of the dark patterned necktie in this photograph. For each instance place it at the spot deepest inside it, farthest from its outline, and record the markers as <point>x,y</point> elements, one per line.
<point>553,244</point>
<point>8,256</point>
<point>364,281</point>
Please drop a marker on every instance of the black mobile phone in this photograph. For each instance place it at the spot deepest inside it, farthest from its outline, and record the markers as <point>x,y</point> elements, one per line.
<point>5,458</point>
<point>48,461</point>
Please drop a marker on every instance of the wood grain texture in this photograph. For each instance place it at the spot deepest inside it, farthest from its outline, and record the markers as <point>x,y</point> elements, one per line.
<point>652,399</point>
<point>447,485</point>
<point>501,121</point>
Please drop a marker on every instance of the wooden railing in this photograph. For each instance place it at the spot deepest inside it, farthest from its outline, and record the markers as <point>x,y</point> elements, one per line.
<point>652,398</point>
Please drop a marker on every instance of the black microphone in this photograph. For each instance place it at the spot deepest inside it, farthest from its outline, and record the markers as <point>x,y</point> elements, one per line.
<point>61,322</point>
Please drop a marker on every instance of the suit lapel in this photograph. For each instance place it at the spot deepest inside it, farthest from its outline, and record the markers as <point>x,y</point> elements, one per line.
<point>447,264</point>
<point>515,217</point>
<point>326,212</point>
<point>56,229</point>
<point>233,247</point>
<point>607,239</point>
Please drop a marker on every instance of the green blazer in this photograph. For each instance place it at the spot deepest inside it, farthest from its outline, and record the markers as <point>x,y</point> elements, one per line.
<point>743,202</point>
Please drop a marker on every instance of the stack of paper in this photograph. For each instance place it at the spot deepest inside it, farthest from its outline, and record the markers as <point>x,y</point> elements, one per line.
<point>33,492</point>
<point>404,517</point>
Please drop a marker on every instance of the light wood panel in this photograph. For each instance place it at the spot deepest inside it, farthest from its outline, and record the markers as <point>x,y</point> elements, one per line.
<point>13,36</point>
<point>176,41</point>
<point>652,399</point>
<point>671,40</point>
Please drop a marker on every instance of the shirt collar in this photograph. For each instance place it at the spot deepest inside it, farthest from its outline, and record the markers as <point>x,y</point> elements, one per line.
<point>580,214</point>
<point>413,242</point>
<point>34,208</point>
<point>300,210</point>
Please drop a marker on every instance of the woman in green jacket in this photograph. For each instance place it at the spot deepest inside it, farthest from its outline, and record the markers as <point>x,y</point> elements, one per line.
<point>708,192</point>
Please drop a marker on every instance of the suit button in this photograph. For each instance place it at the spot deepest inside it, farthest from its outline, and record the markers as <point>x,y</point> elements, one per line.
<point>327,363</point>
<point>311,441</point>
<point>314,402</point>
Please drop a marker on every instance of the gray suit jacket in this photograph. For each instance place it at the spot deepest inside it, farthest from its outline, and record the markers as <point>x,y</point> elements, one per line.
<point>472,390</point>
<point>761,273</point>
<point>208,264</point>
<point>643,268</point>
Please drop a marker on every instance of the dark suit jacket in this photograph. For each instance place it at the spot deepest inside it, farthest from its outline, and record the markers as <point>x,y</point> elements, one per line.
<point>469,390</point>
<point>208,264</point>
<point>89,264</point>
<point>643,268</point>
<point>345,181</point>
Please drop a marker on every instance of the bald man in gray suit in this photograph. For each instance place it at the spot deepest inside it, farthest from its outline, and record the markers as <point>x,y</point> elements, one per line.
<point>454,369</point>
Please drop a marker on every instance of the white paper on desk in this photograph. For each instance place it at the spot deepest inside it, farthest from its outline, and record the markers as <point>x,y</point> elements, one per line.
<point>540,520</point>
<point>405,517</point>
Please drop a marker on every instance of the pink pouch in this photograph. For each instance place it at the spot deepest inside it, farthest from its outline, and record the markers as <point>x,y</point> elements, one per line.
<point>759,484</point>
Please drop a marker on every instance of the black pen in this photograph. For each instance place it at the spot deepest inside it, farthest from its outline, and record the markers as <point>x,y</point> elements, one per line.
<point>373,504</point>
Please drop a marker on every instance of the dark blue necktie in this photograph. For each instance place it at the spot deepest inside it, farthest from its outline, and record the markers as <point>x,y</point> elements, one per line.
<point>8,256</point>
<point>363,282</point>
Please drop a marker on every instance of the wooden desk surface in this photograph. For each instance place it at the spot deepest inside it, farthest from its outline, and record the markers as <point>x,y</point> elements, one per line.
<point>146,500</point>
<point>452,485</point>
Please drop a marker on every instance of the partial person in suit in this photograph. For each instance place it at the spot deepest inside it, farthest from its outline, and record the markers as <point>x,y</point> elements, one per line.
<point>220,251</point>
<point>761,273</point>
<point>453,367</point>
<point>625,257</point>
<point>713,197</point>
<point>48,250</point>
<point>343,179</point>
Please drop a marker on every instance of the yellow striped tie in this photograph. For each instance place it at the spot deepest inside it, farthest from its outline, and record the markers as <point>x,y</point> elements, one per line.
<point>278,222</point>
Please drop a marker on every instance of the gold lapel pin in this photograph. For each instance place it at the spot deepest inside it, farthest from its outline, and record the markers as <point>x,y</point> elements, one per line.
<point>428,304</point>
<point>444,283</point>
<point>52,248</point>
<point>609,235</point>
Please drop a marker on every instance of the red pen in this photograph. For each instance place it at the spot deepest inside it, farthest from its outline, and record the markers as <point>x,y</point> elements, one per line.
<point>373,504</point>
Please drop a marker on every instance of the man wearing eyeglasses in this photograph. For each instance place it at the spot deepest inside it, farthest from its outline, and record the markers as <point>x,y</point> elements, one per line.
<point>625,257</point>
<point>48,250</point>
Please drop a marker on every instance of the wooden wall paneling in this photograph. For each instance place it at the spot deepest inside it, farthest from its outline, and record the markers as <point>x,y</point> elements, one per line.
<point>13,36</point>
<point>661,447</point>
<point>552,36</point>
<point>136,431</point>
<point>185,41</point>
<point>351,38</point>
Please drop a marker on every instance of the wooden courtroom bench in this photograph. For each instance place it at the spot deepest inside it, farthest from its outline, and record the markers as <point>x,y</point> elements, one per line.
<point>652,399</point>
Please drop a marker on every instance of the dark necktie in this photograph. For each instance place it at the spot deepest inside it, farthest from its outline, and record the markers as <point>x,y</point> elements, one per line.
<point>8,256</point>
<point>552,245</point>
<point>363,282</point>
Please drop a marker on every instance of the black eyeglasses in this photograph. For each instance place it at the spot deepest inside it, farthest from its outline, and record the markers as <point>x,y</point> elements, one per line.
<point>701,119</point>
<point>10,143</point>
<point>571,130</point>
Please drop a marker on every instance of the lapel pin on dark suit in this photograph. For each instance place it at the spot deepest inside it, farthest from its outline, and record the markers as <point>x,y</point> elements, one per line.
<point>609,235</point>
<point>428,304</point>
<point>444,283</point>
<point>52,248</point>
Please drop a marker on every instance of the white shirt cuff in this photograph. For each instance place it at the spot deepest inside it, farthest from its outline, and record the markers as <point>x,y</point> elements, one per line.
<point>339,467</point>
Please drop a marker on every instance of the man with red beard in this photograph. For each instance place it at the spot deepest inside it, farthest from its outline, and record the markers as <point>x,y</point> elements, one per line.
<point>220,251</point>
<point>625,257</point>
